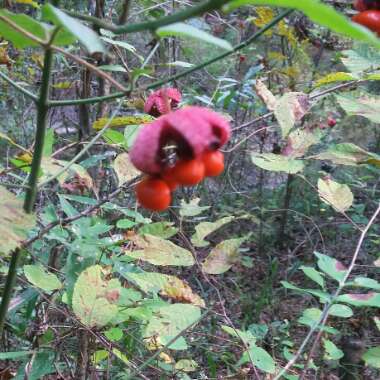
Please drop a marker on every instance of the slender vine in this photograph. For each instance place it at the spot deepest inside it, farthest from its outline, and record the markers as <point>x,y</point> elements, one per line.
<point>160,83</point>
<point>187,13</point>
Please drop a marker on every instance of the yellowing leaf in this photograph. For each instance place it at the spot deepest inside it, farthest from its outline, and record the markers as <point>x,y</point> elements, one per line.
<point>290,108</point>
<point>299,141</point>
<point>122,121</point>
<point>265,95</point>
<point>348,154</point>
<point>124,168</point>
<point>178,290</point>
<point>335,194</point>
<point>15,223</point>
<point>158,251</point>
<point>223,256</point>
<point>62,85</point>
<point>206,228</point>
<point>25,157</point>
<point>34,4</point>
<point>94,297</point>
<point>39,277</point>
<point>265,15</point>
<point>169,286</point>
<point>51,167</point>
<point>334,77</point>
<point>277,163</point>
<point>186,365</point>
<point>166,358</point>
<point>287,32</point>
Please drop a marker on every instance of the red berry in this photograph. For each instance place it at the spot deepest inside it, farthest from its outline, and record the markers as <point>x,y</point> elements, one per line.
<point>214,163</point>
<point>331,122</point>
<point>188,172</point>
<point>369,19</point>
<point>153,194</point>
<point>167,176</point>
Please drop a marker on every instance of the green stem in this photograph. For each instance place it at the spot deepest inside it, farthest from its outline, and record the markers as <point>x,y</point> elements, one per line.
<point>18,87</point>
<point>42,111</point>
<point>154,85</point>
<point>189,12</point>
<point>8,287</point>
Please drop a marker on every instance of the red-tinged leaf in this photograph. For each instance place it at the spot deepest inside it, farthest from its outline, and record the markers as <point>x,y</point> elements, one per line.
<point>361,299</point>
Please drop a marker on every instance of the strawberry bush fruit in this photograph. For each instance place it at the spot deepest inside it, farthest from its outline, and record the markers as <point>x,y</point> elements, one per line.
<point>153,194</point>
<point>370,19</point>
<point>214,163</point>
<point>188,172</point>
<point>195,135</point>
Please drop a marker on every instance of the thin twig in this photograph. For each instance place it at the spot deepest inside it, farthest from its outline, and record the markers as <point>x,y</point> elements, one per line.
<point>325,313</point>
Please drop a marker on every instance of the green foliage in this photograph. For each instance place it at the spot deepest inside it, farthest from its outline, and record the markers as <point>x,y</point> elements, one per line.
<point>195,291</point>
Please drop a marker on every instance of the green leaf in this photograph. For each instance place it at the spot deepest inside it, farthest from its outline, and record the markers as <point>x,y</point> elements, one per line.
<point>125,224</point>
<point>314,275</point>
<point>366,299</point>
<point>158,251</point>
<point>15,355</point>
<point>164,230</point>
<point>94,297</point>
<point>206,228</point>
<point>310,317</point>
<point>48,143</point>
<point>192,208</point>
<point>169,321</point>
<point>333,268</point>
<point>332,352</point>
<point>25,22</point>
<point>15,224</point>
<point>348,154</point>
<point>36,369</point>
<point>342,311</point>
<point>260,358</point>
<point>372,357</point>
<point>246,336</point>
<point>367,106</point>
<point>114,334</point>
<point>365,282</point>
<point>277,163</point>
<point>40,278</point>
<point>319,13</point>
<point>86,36</point>
<point>363,58</point>
<point>223,256</point>
<point>335,194</point>
<point>113,68</point>
<point>130,134</point>
<point>323,296</point>
<point>180,29</point>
